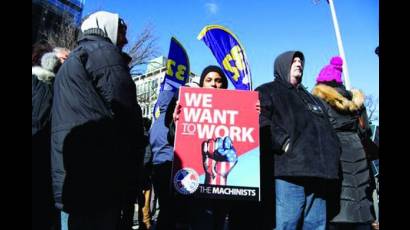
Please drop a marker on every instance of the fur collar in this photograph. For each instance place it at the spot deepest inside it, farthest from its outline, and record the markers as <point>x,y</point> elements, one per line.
<point>42,74</point>
<point>336,100</point>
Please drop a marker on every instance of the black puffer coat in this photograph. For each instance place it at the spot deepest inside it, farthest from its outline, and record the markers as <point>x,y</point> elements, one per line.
<point>41,190</point>
<point>314,148</point>
<point>97,132</point>
<point>352,202</point>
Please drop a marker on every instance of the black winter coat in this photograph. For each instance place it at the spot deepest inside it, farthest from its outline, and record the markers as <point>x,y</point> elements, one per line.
<point>41,100</point>
<point>41,190</point>
<point>97,133</point>
<point>314,148</point>
<point>351,199</point>
<point>343,107</point>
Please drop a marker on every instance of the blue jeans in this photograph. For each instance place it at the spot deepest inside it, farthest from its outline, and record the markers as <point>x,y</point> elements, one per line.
<point>64,220</point>
<point>107,219</point>
<point>300,204</point>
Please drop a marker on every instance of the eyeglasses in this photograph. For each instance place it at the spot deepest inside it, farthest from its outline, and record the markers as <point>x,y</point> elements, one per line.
<point>122,23</point>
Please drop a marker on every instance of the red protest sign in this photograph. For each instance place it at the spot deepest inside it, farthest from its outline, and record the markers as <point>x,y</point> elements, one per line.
<point>216,152</point>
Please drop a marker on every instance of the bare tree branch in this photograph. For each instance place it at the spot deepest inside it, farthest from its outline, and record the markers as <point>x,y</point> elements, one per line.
<point>144,48</point>
<point>371,104</point>
<point>65,34</point>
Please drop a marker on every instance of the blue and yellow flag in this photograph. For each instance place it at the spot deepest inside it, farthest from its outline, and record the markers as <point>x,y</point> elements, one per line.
<point>229,53</point>
<point>178,70</point>
<point>177,67</point>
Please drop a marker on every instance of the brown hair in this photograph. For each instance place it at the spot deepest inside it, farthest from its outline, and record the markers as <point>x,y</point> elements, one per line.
<point>37,50</point>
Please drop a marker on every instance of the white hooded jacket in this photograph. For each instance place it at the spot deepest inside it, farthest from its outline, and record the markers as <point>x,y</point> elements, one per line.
<point>106,21</point>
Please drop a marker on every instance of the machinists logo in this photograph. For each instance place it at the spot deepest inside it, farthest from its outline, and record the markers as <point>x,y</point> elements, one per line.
<point>186,181</point>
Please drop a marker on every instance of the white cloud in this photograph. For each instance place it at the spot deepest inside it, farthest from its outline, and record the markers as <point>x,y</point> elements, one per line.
<point>212,8</point>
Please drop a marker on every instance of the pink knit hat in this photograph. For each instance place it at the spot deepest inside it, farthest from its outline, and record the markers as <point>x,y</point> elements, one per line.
<point>331,72</point>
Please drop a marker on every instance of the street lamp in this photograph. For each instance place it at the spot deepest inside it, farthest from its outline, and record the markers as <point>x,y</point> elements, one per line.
<point>339,42</point>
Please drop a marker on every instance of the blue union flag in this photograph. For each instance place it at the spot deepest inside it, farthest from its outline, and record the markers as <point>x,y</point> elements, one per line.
<point>177,71</point>
<point>177,67</point>
<point>229,53</point>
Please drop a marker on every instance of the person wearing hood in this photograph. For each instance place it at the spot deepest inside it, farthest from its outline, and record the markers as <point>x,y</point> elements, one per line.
<point>352,207</point>
<point>128,207</point>
<point>212,214</point>
<point>42,84</point>
<point>96,127</point>
<point>305,147</point>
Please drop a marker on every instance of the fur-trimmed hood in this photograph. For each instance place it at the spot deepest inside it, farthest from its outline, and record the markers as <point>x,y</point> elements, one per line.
<point>337,100</point>
<point>42,74</point>
<point>49,66</point>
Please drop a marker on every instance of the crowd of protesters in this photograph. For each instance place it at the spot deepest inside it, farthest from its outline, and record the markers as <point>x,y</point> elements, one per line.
<point>93,154</point>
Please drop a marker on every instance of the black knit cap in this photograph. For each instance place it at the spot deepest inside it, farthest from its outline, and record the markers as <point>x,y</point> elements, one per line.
<point>214,68</point>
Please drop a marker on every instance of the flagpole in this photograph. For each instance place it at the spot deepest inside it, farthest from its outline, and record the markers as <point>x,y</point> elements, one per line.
<point>340,45</point>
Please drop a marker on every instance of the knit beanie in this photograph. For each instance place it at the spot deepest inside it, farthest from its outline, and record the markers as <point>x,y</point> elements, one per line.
<point>331,72</point>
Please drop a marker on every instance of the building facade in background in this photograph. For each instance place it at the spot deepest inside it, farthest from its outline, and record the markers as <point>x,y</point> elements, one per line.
<point>48,15</point>
<point>375,134</point>
<point>148,84</point>
<point>374,165</point>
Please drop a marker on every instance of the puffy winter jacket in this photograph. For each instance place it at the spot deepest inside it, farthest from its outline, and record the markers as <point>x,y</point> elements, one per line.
<point>97,132</point>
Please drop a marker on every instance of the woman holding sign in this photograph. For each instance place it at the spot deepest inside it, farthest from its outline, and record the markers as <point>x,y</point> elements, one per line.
<point>162,139</point>
<point>205,214</point>
<point>219,158</point>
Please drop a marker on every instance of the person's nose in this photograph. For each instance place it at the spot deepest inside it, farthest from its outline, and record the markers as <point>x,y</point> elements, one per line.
<point>213,84</point>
